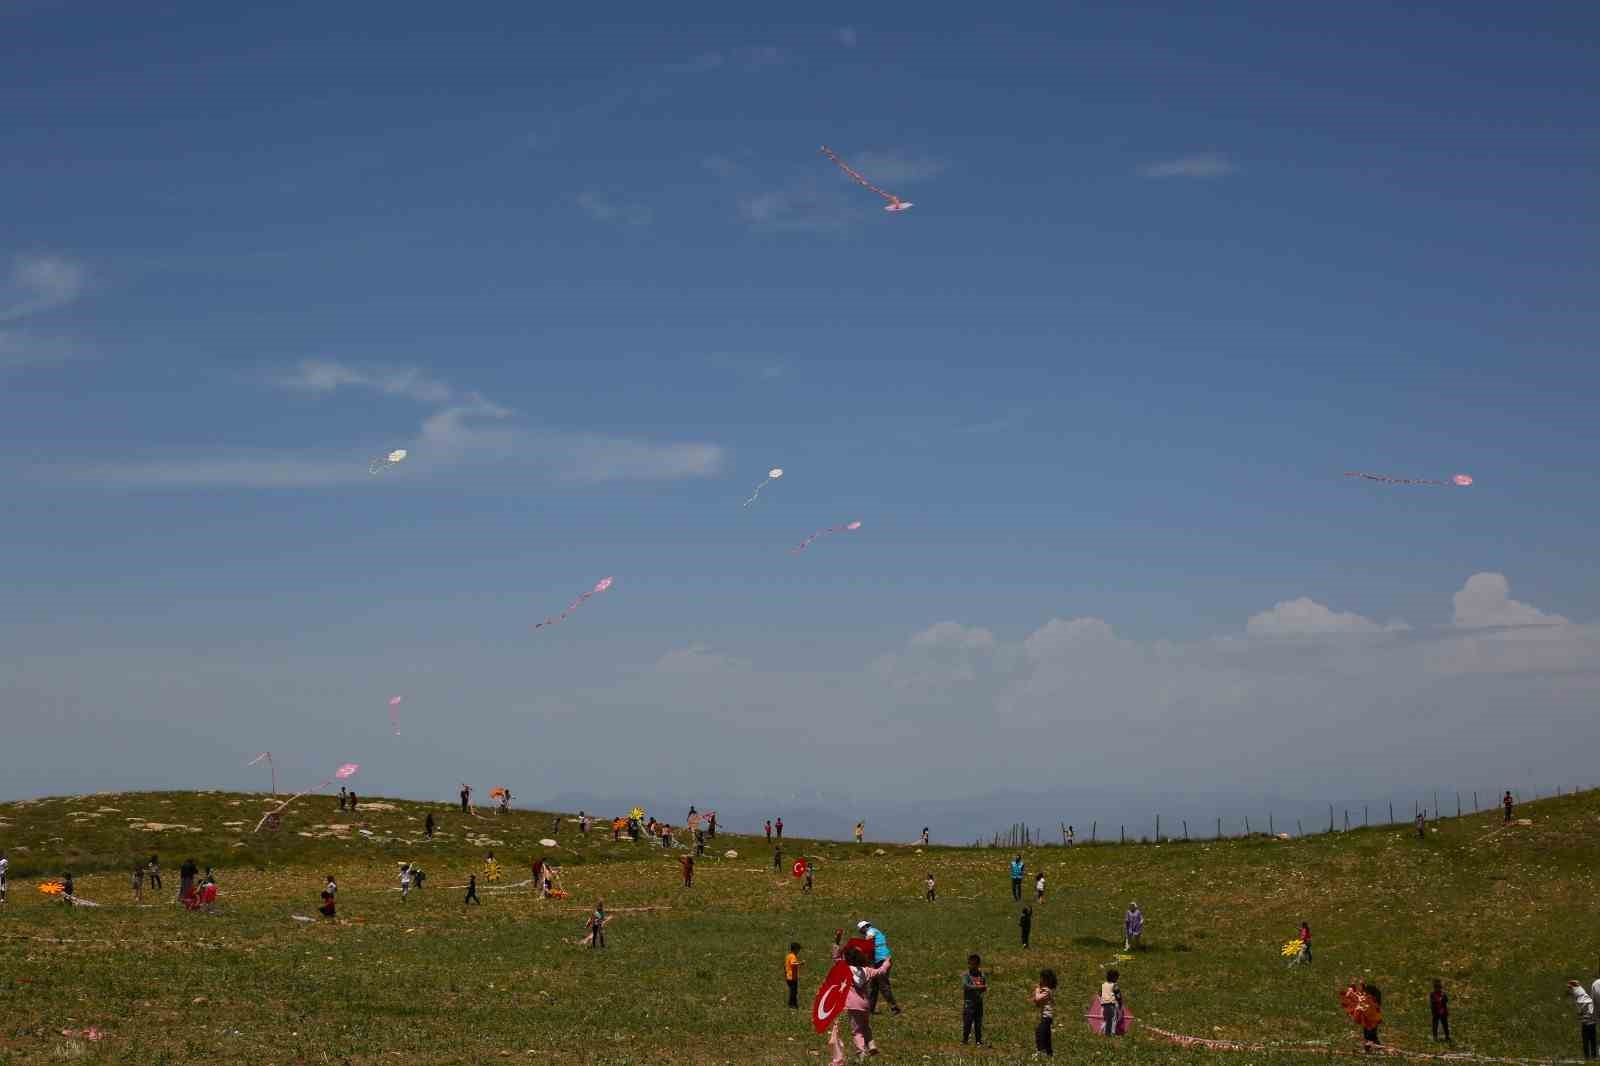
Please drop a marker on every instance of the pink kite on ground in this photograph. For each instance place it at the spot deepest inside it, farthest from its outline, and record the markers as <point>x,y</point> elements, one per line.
<point>895,203</point>
<point>1459,480</point>
<point>848,527</point>
<point>1096,1018</point>
<point>600,587</point>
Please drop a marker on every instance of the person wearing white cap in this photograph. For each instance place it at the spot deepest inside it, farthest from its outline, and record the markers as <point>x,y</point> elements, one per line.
<point>880,958</point>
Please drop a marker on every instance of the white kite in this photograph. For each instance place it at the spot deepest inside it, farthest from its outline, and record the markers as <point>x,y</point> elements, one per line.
<point>772,475</point>
<point>387,461</point>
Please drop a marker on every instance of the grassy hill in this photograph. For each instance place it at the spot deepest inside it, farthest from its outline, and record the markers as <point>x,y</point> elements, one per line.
<point>1503,915</point>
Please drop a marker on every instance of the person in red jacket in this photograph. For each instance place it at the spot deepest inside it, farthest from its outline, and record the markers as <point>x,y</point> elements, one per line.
<point>1439,1007</point>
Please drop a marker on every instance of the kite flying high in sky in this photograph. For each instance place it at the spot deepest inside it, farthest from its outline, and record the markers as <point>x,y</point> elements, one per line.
<point>894,204</point>
<point>1459,480</point>
<point>603,584</point>
<point>772,475</point>
<point>387,461</point>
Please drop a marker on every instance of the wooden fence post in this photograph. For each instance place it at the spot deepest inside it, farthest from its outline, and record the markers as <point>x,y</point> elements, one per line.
<point>1300,830</point>
<point>1458,803</point>
<point>1347,819</point>
<point>1391,812</point>
<point>1330,817</point>
<point>1124,834</point>
<point>1247,825</point>
<point>1186,829</point>
<point>1219,829</point>
<point>1158,829</point>
<point>1092,827</point>
<point>1271,829</point>
<point>1364,821</point>
<point>1474,801</point>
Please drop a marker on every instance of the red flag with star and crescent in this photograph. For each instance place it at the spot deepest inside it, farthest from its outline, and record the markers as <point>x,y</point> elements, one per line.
<point>830,996</point>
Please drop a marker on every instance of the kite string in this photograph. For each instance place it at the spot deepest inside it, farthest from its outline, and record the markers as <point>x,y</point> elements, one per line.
<point>291,799</point>
<point>842,165</point>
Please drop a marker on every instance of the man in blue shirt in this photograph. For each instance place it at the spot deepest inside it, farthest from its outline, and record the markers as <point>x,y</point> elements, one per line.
<point>880,957</point>
<point>1017,868</point>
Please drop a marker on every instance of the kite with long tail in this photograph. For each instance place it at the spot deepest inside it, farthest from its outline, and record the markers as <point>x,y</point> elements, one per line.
<point>1459,480</point>
<point>894,204</point>
<point>604,584</point>
<point>347,770</point>
<point>848,527</point>
<point>772,475</point>
<point>394,718</point>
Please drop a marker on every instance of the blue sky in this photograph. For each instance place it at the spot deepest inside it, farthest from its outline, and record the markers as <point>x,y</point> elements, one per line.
<point>1170,272</point>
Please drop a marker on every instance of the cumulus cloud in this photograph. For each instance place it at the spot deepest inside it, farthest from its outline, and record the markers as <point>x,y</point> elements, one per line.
<point>1305,617</point>
<point>847,36</point>
<point>1203,165</point>
<point>1485,600</point>
<point>324,376</point>
<point>39,283</point>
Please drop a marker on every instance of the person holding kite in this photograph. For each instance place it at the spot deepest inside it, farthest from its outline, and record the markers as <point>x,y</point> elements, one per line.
<point>1364,1003</point>
<point>858,1003</point>
<point>881,957</point>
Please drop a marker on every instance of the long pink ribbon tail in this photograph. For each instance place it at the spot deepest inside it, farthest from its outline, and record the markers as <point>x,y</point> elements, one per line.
<point>842,165</point>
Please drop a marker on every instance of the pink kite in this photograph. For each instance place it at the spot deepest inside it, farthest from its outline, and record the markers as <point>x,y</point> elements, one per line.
<point>394,719</point>
<point>1459,480</point>
<point>1096,1018</point>
<point>604,584</point>
<point>347,770</point>
<point>848,527</point>
<point>894,204</point>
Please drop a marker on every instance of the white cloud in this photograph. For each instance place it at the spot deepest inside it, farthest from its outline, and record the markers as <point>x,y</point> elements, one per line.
<point>40,283</point>
<point>847,36</point>
<point>759,57</point>
<point>614,212</point>
<point>321,375</point>
<point>756,367</point>
<point>1485,600</point>
<point>468,433</point>
<point>897,168</point>
<point>1204,165</point>
<point>698,660</point>
<point>1305,617</point>
<point>700,64</point>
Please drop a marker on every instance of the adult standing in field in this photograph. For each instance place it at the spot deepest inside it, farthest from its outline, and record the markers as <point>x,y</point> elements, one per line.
<point>1585,1006</point>
<point>1132,928</point>
<point>883,962</point>
<point>466,793</point>
<point>353,803</point>
<point>769,830</point>
<point>924,836</point>
<point>1439,1009</point>
<point>152,873</point>
<point>861,831</point>
<point>687,865</point>
<point>778,827</point>
<point>1018,867</point>
<point>427,827</point>
<point>344,797</point>
<point>5,866</point>
<point>186,875</point>
<point>597,925</point>
<point>1422,825</point>
<point>1507,802</point>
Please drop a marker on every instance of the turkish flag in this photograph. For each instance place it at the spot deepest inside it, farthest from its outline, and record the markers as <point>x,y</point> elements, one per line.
<point>799,868</point>
<point>863,945</point>
<point>830,996</point>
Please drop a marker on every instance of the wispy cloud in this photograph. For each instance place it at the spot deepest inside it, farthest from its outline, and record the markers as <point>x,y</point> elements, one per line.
<point>40,283</point>
<point>846,35</point>
<point>1204,165</point>
<point>466,432</point>
<point>22,349</point>
<point>614,212</point>
<point>751,59</point>
<point>700,64</point>
<point>755,367</point>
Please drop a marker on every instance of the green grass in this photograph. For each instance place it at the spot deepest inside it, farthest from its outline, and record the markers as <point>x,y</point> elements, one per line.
<point>1504,917</point>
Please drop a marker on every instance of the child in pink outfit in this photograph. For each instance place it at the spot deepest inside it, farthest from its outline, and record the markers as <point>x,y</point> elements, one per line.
<point>858,1005</point>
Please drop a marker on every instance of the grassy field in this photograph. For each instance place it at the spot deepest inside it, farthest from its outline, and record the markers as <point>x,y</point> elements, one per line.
<point>1504,916</point>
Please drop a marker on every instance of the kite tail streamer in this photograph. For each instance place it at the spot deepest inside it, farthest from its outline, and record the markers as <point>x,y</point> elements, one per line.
<point>347,770</point>
<point>858,178</point>
<point>575,604</point>
<point>848,527</point>
<point>1458,481</point>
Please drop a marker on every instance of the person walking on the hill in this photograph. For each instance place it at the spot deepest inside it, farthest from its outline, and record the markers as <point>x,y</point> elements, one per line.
<point>344,797</point>
<point>791,974</point>
<point>597,925</point>
<point>5,867</point>
<point>353,803</point>
<point>1422,825</point>
<point>137,877</point>
<point>1025,923</point>
<point>806,885</point>
<point>68,893</point>
<point>1439,1008</point>
<point>882,961</point>
<point>466,791</point>
<point>777,857</point>
<point>1585,1005</point>
<point>686,864</point>
<point>186,875</point>
<point>1038,888</point>
<point>861,831</point>
<point>711,825</point>
<point>1507,802</point>
<point>152,873</point>
<point>859,1001</point>
<point>1017,868</point>
<point>1044,997</point>
<point>1305,942</point>
<point>427,827</point>
<point>924,836</point>
<point>405,881</point>
<point>973,985</point>
<point>933,893</point>
<point>769,830</point>
<point>1071,833</point>
<point>1132,928</point>
<point>330,898</point>
<point>472,891</point>
<point>778,828</point>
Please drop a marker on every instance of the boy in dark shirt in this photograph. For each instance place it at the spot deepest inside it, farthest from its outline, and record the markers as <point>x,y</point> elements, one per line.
<point>973,985</point>
<point>1026,924</point>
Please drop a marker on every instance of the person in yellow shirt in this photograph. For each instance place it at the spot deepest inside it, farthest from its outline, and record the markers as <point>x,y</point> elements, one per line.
<point>791,973</point>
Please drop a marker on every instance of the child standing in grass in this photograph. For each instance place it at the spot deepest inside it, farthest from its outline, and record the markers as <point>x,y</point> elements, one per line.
<point>1585,1005</point>
<point>791,973</point>
<point>472,891</point>
<point>67,893</point>
<point>5,866</point>
<point>1439,1008</point>
<point>405,880</point>
<point>857,1002</point>
<point>427,827</point>
<point>137,877</point>
<point>1038,888</point>
<point>1305,942</point>
<point>1025,923</point>
<point>973,985</point>
<point>932,893</point>
<point>1110,1002</point>
<point>687,864</point>
<point>1132,928</point>
<point>330,893</point>
<point>597,925</point>
<point>1044,997</point>
<point>809,868</point>
<point>152,873</point>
